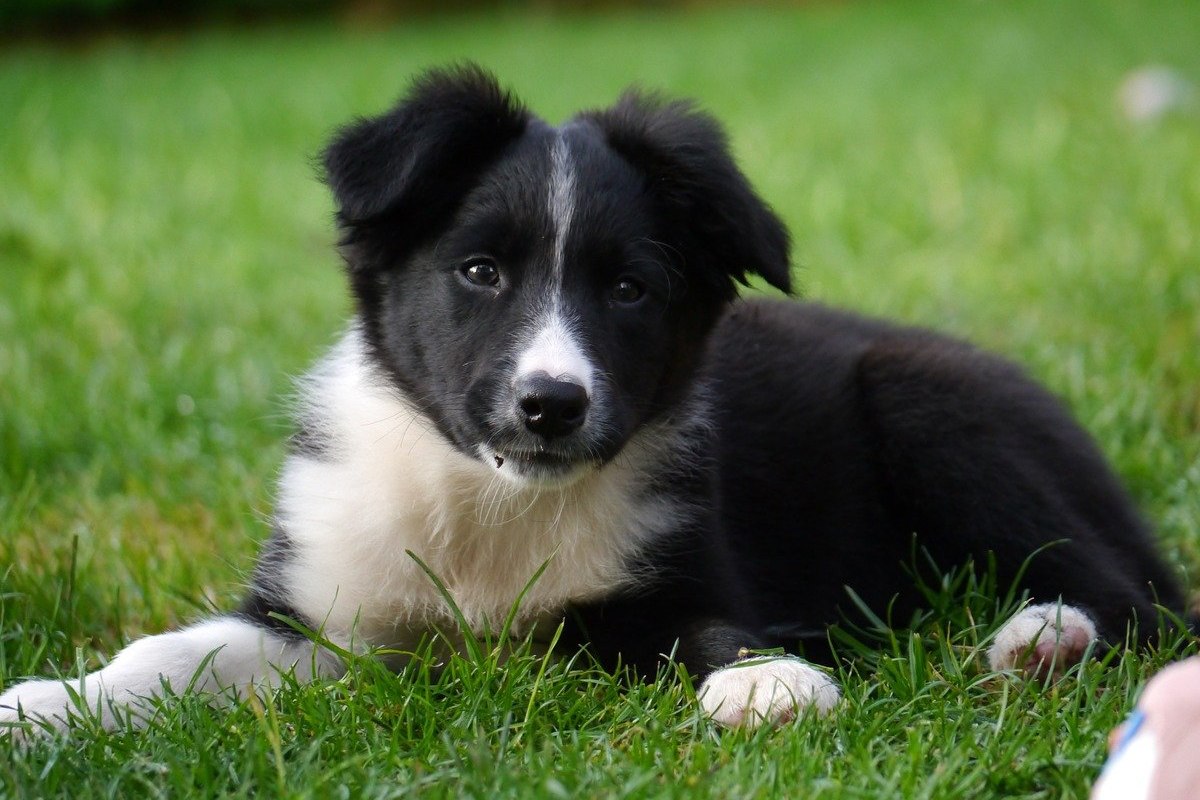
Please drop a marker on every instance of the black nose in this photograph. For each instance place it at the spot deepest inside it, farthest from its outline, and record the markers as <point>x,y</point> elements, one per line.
<point>551,407</point>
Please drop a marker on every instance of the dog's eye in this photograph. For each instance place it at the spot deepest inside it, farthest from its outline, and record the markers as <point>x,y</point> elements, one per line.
<point>626,291</point>
<point>481,272</point>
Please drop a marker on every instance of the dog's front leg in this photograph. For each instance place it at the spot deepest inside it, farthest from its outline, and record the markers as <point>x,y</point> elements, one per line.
<point>744,688</point>
<point>766,689</point>
<point>227,653</point>
<point>739,687</point>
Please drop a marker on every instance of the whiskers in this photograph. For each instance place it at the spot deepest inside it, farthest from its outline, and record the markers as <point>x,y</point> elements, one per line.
<point>501,502</point>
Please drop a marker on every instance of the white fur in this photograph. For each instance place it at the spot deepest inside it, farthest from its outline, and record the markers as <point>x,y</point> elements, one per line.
<point>553,347</point>
<point>767,690</point>
<point>555,350</point>
<point>562,203</point>
<point>394,485</point>
<point>241,657</point>
<point>1053,622</point>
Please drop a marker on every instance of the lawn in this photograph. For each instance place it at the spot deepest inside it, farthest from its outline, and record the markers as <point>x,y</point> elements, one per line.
<point>166,269</point>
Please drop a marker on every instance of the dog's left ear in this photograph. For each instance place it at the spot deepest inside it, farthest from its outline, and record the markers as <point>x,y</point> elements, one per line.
<point>685,156</point>
<point>397,177</point>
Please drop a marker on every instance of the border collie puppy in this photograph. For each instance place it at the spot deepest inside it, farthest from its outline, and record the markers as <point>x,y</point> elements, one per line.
<point>549,367</point>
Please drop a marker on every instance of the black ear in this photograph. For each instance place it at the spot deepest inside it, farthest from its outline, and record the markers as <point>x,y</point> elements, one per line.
<point>396,176</point>
<point>686,158</point>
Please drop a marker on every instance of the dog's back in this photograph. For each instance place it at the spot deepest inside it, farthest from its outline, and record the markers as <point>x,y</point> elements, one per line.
<point>846,442</point>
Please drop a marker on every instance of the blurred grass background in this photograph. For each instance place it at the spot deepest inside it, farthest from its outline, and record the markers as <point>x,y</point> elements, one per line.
<point>166,260</point>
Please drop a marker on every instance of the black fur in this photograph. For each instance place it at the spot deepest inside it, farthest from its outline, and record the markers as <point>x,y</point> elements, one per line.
<point>703,196</point>
<point>893,432</point>
<point>398,177</point>
<point>265,603</point>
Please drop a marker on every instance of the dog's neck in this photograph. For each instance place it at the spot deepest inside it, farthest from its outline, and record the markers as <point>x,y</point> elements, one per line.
<point>387,484</point>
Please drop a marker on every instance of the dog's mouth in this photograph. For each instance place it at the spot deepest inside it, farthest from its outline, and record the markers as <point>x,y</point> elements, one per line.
<point>541,466</point>
<point>526,458</point>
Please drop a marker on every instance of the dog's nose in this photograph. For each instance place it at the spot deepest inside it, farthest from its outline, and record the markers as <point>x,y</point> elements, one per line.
<point>549,406</point>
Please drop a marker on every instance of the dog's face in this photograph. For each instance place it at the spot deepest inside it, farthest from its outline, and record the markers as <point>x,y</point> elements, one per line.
<point>542,293</point>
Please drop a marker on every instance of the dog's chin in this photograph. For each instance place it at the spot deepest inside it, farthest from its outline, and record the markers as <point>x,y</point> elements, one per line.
<point>537,468</point>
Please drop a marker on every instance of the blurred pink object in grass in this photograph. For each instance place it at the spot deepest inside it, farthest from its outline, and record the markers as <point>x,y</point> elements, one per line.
<point>1156,753</point>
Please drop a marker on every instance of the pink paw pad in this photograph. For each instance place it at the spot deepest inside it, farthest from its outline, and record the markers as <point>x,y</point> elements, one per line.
<point>1043,641</point>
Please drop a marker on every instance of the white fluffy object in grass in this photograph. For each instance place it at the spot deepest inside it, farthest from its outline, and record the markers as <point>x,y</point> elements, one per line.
<point>1148,93</point>
<point>766,690</point>
<point>1043,639</point>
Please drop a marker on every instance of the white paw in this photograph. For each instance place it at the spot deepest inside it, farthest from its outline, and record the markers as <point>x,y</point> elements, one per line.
<point>771,690</point>
<point>1042,640</point>
<point>28,708</point>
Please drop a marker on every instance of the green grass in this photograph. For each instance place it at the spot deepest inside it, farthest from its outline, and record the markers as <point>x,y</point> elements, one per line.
<point>958,165</point>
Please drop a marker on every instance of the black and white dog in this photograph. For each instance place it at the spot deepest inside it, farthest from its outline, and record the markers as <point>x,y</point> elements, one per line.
<point>549,366</point>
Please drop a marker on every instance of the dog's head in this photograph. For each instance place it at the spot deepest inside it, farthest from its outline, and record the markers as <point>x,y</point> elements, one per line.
<point>541,293</point>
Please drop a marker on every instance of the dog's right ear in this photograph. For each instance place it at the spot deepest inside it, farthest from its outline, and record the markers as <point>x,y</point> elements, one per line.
<point>397,176</point>
<point>727,230</point>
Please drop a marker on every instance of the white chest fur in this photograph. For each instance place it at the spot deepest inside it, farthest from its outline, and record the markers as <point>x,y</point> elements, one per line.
<point>392,484</point>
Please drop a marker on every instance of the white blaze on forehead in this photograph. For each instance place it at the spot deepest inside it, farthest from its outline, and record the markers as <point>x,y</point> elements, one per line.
<point>555,350</point>
<point>562,204</point>
<point>554,347</point>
